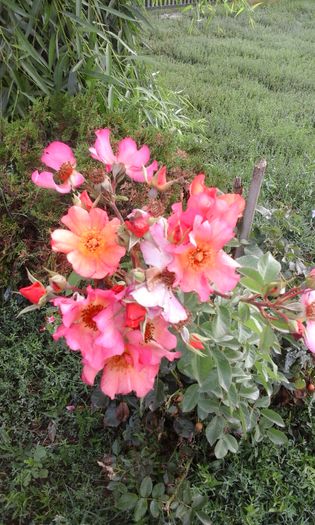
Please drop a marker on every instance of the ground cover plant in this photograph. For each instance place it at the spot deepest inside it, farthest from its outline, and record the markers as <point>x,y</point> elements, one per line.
<point>254,87</point>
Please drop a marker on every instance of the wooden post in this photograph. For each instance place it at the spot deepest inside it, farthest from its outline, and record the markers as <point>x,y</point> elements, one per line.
<point>251,202</point>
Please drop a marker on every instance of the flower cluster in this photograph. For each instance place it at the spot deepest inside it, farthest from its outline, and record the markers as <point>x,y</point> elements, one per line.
<point>124,320</point>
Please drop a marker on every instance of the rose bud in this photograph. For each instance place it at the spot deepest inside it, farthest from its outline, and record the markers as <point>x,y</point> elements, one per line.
<point>34,292</point>
<point>138,222</point>
<point>135,314</point>
<point>58,283</point>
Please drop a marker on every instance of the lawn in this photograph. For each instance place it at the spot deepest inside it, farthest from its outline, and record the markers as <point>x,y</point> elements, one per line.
<point>254,86</point>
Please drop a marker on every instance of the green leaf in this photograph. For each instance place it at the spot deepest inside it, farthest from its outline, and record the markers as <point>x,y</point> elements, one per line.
<point>154,509</point>
<point>127,501</point>
<point>215,429</point>
<point>267,339</point>
<point>277,437</point>
<point>223,369</point>
<point>251,284</point>
<point>141,509</point>
<point>221,323</point>
<point>146,487</point>
<point>231,443</point>
<point>158,490</point>
<point>191,397</point>
<point>203,518</point>
<point>220,449</point>
<point>269,268</point>
<point>273,416</point>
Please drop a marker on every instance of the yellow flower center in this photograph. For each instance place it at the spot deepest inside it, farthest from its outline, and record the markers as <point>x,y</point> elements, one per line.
<point>199,258</point>
<point>88,313</point>
<point>65,171</point>
<point>92,242</point>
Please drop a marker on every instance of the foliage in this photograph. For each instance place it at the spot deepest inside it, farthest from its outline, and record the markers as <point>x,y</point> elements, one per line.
<point>38,384</point>
<point>65,46</point>
<point>25,218</point>
<point>264,484</point>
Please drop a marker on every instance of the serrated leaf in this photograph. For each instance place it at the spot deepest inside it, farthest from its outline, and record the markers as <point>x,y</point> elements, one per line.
<point>158,490</point>
<point>276,436</point>
<point>231,443</point>
<point>221,449</point>
<point>215,429</point>
<point>269,268</point>
<point>203,518</point>
<point>154,509</point>
<point>140,509</point>
<point>224,370</point>
<point>146,487</point>
<point>127,501</point>
<point>273,416</point>
<point>191,397</point>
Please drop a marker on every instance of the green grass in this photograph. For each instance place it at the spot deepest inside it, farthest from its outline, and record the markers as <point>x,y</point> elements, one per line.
<point>255,88</point>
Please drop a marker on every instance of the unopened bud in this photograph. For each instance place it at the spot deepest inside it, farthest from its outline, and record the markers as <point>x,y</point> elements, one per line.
<point>198,427</point>
<point>58,283</point>
<point>273,289</point>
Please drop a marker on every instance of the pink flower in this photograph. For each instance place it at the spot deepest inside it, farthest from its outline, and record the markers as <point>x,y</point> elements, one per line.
<point>135,314</point>
<point>34,292</point>
<point>208,203</point>
<point>85,200</point>
<point>81,322</point>
<point>200,263</point>
<point>128,156</point>
<point>157,291</point>
<point>138,222</point>
<point>136,369</point>
<point>91,244</point>
<point>308,301</point>
<point>59,157</point>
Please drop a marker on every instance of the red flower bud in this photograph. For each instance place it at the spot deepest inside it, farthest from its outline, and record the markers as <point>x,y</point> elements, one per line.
<point>34,292</point>
<point>138,223</point>
<point>195,342</point>
<point>135,314</point>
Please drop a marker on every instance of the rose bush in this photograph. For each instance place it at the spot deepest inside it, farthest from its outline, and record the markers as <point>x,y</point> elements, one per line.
<point>157,290</point>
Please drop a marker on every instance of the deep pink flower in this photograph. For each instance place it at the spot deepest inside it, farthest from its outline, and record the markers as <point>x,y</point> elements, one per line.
<point>60,158</point>
<point>200,264</point>
<point>91,244</point>
<point>136,369</point>
<point>308,301</point>
<point>128,156</point>
<point>81,321</point>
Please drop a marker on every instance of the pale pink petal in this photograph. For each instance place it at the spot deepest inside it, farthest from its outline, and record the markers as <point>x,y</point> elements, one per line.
<point>173,311</point>
<point>140,157</point>
<point>76,179</point>
<point>154,249</point>
<point>45,179</point>
<point>82,265</point>
<point>102,149</point>
<point>56,154</point>
<point>126,150</point>
<point>99,218</point>
<point>77,220</point>
<point>223,274</point>
<point>137,174</point>
<point>309,336</point>
<point>64,241</point>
